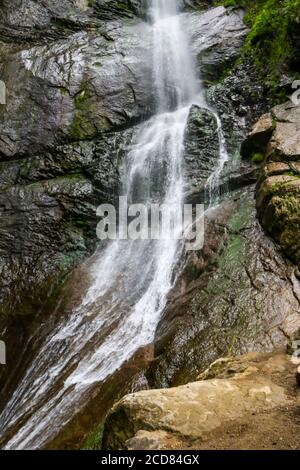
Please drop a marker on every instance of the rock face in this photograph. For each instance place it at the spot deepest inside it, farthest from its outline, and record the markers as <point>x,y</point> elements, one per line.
<point>237,294</point>
<point>201,149</point>
<point>217,40</point>
<point>103,85</point>
<point>47,206</point>
<point>183,417</point>
<point>78,79</point>
<point>57,160</point>
<point>79,82</point>
<point>34,18</point>
<point>277,137</point>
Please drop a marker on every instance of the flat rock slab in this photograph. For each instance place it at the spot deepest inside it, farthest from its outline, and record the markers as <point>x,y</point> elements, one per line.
<point>254,388</point>
<point>193,410</point>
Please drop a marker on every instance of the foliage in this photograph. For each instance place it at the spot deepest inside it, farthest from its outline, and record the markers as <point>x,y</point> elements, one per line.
<point>274,35</point>
<point>257,157</point>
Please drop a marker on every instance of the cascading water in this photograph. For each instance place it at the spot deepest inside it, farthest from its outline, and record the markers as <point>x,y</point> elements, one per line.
<point>131,279</point>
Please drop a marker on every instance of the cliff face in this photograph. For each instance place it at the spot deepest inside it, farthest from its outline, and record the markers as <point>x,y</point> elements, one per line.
<point>71,77</point>
<point>79,83</point>
<point>78,79</point>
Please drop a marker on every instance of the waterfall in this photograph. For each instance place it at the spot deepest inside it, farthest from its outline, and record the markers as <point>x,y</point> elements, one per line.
<point>131,279</point>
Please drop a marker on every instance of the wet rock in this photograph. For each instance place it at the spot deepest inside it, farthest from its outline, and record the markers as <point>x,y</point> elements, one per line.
<point>276,136</point>
<point>201,149</point>
<point>107,10</point>
<point>217,36</point>
<point>240,101</point>
<point>71,107</point>
<point>237,294</point>
<point>51,100</point>
<point>77,82</point>
<point>193,411</point>
<point>201,159</point>
<point>30,20</point>
<point>237,97</point>
<point>90,80</point>
<point>48,215</point>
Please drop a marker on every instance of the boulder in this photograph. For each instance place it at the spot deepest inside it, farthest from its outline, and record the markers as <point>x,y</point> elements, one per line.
<point>194,412</point>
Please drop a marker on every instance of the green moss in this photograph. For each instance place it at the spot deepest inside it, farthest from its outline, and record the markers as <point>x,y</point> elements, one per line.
<point>274,124</point>
<point>94,439</point>
<point>232,254</point>
<point>282,187</point>
<point>82,126</point>
<point>257,157</point>
<point>88,121</point>
<point>274,35</point>
<point>77,127</point>
<point>282,220</point>
<point>287,207</point>
<point>240,220</point>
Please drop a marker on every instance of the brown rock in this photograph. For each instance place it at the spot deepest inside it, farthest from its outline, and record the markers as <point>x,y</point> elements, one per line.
<point>278,189</point>
<point>277,168</point>
<point>191,411</point>
<point>285,142</point>
<point>259,137</point>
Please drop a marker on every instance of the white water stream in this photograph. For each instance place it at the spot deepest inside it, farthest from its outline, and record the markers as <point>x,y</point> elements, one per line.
<point>131,279</point>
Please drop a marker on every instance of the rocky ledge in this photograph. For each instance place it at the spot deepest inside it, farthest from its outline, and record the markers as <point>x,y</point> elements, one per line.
<point>234,405</point>
<point>274,142</point>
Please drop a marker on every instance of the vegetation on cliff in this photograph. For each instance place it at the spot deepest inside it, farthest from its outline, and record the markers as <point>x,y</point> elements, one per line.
<point>274,36</point>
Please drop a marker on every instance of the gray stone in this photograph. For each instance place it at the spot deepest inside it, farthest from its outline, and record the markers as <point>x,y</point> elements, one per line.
<point>192,412</point>
<point>201,149</point>
<point>217,36</point>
